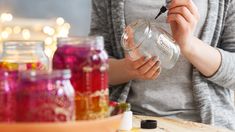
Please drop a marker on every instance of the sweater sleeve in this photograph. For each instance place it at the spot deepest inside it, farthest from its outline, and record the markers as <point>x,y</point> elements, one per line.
<point>100,24</point>
<point>225,76</point>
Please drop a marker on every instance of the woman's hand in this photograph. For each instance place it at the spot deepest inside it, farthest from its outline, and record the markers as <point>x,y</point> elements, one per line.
<point>183,17</point>
<point>144,68</point>
<point>124,70</point>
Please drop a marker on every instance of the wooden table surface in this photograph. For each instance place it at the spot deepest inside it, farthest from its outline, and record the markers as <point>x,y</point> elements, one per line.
<point>174,125</point>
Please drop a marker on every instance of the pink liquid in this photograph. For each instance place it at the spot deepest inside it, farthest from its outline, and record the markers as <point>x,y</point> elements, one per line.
<point>45,100</point>
<point>89,78</point>
<point>8,83</point>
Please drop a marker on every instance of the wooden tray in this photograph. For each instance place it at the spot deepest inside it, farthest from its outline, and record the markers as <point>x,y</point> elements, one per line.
<point>110,124</point>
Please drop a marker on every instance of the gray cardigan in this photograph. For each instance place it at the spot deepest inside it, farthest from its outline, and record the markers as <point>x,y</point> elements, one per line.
<point>213,96</point>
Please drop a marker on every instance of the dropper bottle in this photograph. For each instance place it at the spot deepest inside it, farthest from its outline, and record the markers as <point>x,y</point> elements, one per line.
<point>126,123</point>
<point>163,9</point>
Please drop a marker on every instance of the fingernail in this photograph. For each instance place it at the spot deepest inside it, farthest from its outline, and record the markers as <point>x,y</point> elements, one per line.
<point>155,59</point>
<point>147,57</point>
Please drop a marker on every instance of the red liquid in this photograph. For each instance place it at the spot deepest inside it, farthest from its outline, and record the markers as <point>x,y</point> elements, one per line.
<point>89,78</point>
<point>8,84</point>
<point>45,100</point>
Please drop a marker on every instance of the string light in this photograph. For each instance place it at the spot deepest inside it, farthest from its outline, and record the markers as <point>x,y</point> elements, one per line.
<point>6,17</point>
<point>60,21</point>
<point>17,29</point>
<point>26,34</point>
<point>63,32</point>
<point>48,41</point>
<point>67,25</point>
<point>4,35</point>
<point>49,30</point>
<point>8,30</point>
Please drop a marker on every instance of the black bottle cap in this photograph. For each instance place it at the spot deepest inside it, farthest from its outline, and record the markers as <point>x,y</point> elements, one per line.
<point>148,124</point>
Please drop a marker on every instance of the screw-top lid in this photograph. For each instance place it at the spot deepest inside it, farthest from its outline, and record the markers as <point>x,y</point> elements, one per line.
<point>148,124</point>
<point>23,45</point>
<point>96,42</point>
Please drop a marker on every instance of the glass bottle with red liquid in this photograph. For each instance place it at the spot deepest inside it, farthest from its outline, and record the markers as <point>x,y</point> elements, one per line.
<point>87,59</point>
<point>23,55</point>
<point>8,85</point>
<point>45,97</point>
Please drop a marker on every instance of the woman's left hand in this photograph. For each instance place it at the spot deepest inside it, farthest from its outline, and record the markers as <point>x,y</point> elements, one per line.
<point>183,17</point>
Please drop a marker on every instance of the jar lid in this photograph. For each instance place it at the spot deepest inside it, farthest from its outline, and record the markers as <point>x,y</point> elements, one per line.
<point>91,41</point>
<point>148,124</point>
<point>22,44</point>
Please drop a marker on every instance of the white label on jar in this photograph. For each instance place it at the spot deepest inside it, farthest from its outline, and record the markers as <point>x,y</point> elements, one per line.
<point>165,45</point>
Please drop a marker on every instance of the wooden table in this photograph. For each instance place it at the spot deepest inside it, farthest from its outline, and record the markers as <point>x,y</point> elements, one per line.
<point>110,125</point>
<point>174,125</point>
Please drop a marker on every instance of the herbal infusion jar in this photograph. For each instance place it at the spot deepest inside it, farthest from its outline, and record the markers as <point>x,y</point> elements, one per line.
<point>23,55</point>
<point>45,97</point>
<point>88,61</point>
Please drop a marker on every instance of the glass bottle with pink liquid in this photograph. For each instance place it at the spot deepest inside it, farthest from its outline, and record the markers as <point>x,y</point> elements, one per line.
<point>45,97</point>
<point>88,61</point>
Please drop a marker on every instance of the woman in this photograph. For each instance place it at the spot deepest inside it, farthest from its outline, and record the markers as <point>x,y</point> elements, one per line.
<point>199,88</point>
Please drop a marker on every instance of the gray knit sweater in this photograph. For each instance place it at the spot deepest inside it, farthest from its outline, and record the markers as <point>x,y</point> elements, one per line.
<point>213,95</point>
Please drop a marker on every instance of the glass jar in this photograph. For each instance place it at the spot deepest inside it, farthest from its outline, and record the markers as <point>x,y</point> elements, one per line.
<point>23,55</point>
<point>8,85</point>
<point>88,61</point>
<point>45,97</point>
<point>147,38</point>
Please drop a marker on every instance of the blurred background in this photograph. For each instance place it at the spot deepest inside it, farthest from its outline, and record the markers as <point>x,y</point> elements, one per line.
<point>43,20</point>
<point>75,12</point>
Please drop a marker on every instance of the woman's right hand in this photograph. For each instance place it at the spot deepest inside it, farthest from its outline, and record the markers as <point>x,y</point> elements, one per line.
<point>123,70</point>
<point>144,68</point>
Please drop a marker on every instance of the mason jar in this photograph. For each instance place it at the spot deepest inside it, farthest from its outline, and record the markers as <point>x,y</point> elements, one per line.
<point>45,97</point>
<point>8,85</point>
<point>23,55</point>
<point>88,61</point>
<point>146,38</point>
